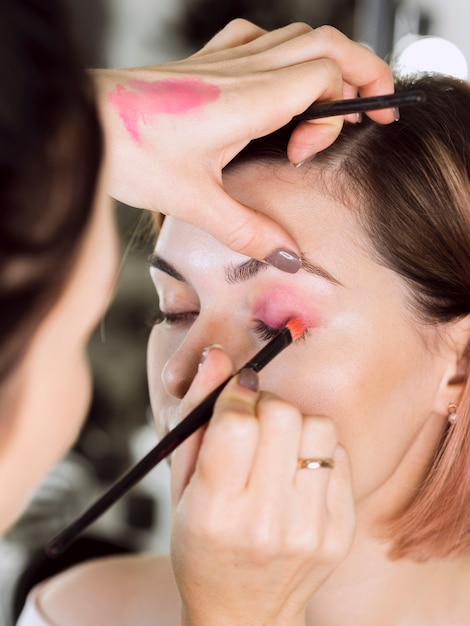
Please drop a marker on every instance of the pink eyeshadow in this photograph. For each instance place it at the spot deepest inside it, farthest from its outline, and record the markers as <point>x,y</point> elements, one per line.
<point>145,101</point>
<point>280,304</point>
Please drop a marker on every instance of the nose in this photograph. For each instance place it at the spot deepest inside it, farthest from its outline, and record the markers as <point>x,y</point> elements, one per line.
<point>181,367</point>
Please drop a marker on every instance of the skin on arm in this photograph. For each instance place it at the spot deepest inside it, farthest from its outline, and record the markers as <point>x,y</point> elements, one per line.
<point>116,591</point>
<point>174,127</point>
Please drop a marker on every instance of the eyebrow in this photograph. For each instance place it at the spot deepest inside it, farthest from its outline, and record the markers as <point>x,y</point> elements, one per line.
<point>242,272</point>
<point>160,264</point>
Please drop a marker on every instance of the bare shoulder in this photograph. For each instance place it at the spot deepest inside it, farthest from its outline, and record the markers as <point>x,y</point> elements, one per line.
<point>122,590</point>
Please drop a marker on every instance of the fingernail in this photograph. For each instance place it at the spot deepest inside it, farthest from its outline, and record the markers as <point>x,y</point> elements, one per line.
<point>307,160</point>
<point>205,353</point>
<point>248,378</point>
<point>359,117</point>
<point>396,113</point>
<point>284,260</point>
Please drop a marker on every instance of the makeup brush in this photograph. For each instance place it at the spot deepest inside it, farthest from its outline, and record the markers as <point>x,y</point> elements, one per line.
<point>358,105</point>
<point>199,416</point>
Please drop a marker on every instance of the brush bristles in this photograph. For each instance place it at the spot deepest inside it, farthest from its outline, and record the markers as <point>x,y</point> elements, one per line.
<point>296,327</point>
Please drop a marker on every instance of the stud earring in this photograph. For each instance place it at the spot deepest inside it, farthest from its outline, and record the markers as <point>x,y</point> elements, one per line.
<point>452,413</point>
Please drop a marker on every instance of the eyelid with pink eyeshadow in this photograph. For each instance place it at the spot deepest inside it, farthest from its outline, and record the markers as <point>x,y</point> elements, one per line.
<point>279,304</point>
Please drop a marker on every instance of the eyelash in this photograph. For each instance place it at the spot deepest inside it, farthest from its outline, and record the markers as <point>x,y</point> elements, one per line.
<point>263,331</point>
<point>267,332</point>
<point>161,317</point>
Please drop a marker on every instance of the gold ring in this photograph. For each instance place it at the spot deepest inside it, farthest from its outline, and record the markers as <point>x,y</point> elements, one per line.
<point>315,463</point>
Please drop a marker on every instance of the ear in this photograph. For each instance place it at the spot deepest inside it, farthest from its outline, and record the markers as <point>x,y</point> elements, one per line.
<point>456,349</point>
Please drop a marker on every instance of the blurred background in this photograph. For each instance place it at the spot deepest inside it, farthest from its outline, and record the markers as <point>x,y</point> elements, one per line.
<point>119,429</point>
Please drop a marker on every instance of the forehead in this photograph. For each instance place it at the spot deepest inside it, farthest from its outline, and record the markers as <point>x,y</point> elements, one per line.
<point>296,198</point>
<point>326,231</point>
<point>190,245</point>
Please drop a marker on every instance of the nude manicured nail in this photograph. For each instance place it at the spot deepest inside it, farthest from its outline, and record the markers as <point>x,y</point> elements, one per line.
<point>248,378</point>
<point>284,260</point>
<point>206,351</point>
<point>396,114</point>
<point>304,161</point>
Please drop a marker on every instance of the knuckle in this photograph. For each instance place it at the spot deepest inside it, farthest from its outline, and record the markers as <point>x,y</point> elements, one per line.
<point>208,532</point>
<point>307,542</point>
<point>332,70</point>
<point>233,423</point>
<point>280,412</point>
<point>265,545</point>
<point>322,428</point>
<point>239,23</point>
<point>328,35</point>
<point>299,28</point>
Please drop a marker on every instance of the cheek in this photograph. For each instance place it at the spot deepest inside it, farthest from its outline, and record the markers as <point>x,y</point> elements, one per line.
<point>358,386</point>
<point>378,391</point>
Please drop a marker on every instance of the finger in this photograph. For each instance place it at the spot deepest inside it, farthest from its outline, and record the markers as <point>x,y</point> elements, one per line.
<point>293,89</point>
<point>360,68</point>
<point>230,442</point>
<point>311,137</point>
<point>280,432</point>
<point>318,440</point>
<point>358,65</point>
<point>236,33</point>
<point>216,367</point>
<point>349,92</point>
<point>243,229</point>
<point>270,41</point>
<point>249,40</point>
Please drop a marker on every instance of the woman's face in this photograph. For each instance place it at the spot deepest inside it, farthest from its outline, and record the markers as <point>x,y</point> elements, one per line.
<point>365,362</point>
<point>54,380</point>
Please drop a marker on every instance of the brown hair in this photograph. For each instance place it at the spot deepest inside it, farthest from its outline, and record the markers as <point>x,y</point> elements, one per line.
<point>50,153</point>
<point>410,185</point>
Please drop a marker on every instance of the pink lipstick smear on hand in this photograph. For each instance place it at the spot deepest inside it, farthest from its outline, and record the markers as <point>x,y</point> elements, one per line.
<point>144,102</point>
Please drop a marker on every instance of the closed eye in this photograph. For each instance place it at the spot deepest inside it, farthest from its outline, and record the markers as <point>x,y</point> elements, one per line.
<point>173,319</point>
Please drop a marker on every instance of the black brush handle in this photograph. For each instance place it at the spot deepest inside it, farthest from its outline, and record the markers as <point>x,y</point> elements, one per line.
<point>196,418</point>
<point>199,416</point>
<point>357,105</point>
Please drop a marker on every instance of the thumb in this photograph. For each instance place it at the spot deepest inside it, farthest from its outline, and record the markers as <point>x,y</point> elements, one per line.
<point>312,136</point>
<point>215,367</point>
<point>249,232</point>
